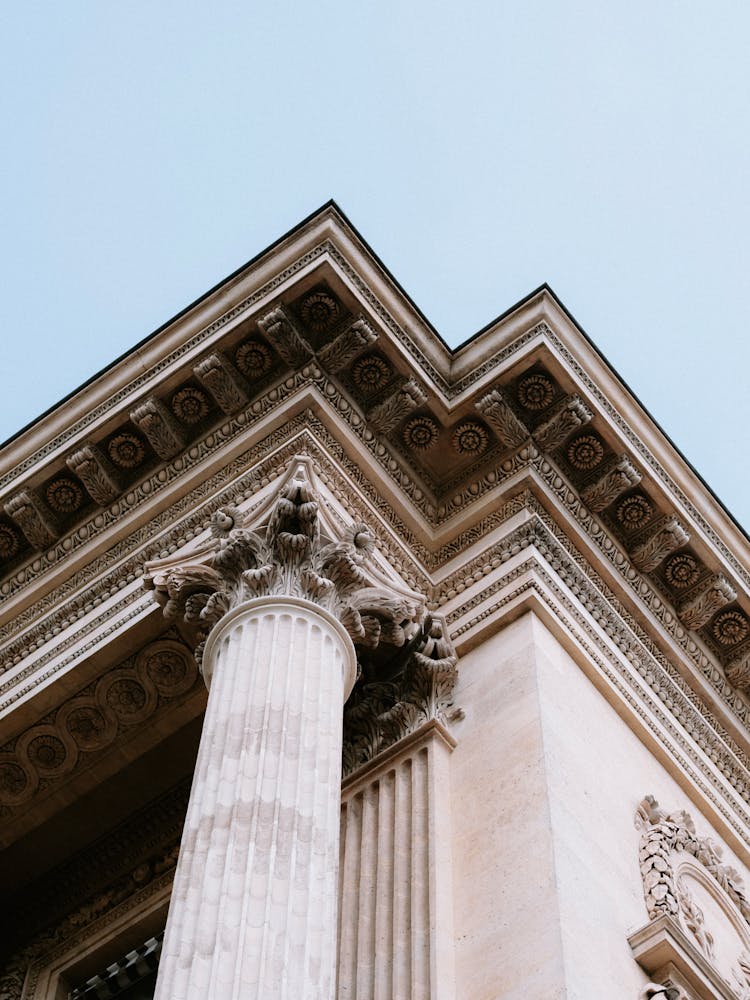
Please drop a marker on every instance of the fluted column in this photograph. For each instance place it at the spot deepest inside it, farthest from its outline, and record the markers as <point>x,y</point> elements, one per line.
<point>253,911</point>
<point>277,605</point>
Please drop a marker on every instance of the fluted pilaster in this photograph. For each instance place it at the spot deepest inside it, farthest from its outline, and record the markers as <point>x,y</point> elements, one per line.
<point>395,880</point>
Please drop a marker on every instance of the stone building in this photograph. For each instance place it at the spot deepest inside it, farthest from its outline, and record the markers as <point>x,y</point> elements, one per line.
<point>477,643</point>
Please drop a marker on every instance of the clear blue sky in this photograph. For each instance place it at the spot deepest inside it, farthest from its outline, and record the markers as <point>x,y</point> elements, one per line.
<point>150,148</point>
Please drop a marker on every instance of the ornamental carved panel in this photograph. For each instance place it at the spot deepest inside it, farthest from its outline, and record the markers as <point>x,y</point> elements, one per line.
<point>697,943</point>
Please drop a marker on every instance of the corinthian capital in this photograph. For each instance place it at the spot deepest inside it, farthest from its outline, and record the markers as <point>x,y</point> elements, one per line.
<point>289,551</point>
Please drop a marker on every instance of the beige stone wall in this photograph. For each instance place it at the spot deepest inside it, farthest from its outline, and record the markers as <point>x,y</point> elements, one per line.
<point>546,781</point>
<point>507,919</point>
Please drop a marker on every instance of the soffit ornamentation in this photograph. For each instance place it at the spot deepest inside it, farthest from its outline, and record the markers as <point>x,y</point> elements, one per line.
<point>104,721</point>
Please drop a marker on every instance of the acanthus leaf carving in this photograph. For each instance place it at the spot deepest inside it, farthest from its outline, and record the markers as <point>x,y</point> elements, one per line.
<point>163,431</point>
<point>669,536</point>
<point>287,555</point>
<point>223,381</point>
<point>714,594</point>
<point>380,713</point>
<point>347,345</point>
<point>496,410</point>
<point>96,473</point>
<point>570,415</point>
<point>604,491</point>
<point>286,339</point>
<point>738,672</point>
<point>34,518</point>
<point>384,417</point>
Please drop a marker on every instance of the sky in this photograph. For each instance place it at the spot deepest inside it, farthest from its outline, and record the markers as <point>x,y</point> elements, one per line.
<point>151,148</point>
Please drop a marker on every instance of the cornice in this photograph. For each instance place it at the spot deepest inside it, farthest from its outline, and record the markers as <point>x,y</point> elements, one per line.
<point>345,481</point>
<point>328,237</point>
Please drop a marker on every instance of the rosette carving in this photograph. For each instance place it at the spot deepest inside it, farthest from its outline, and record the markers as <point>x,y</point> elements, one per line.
<point>288,555</point>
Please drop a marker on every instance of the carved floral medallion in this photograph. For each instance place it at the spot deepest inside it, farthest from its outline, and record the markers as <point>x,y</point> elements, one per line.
<point>253,359</point>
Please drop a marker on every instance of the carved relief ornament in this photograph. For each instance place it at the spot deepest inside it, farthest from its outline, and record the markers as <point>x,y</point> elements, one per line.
<point>292,550</point>
<point>406,662</point>
<point>699,912</point>
<point>664,834</point>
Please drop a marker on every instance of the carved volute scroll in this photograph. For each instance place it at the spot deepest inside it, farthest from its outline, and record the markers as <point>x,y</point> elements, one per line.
<point>380,713</point>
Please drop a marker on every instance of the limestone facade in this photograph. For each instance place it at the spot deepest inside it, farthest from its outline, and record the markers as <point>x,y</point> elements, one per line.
<point>338,664</point>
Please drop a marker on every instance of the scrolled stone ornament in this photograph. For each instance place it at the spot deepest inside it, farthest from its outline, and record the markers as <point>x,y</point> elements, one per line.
<point>347,345</point>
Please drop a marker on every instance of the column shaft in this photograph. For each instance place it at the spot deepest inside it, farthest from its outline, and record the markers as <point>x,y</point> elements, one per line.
<point>254,906</point>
